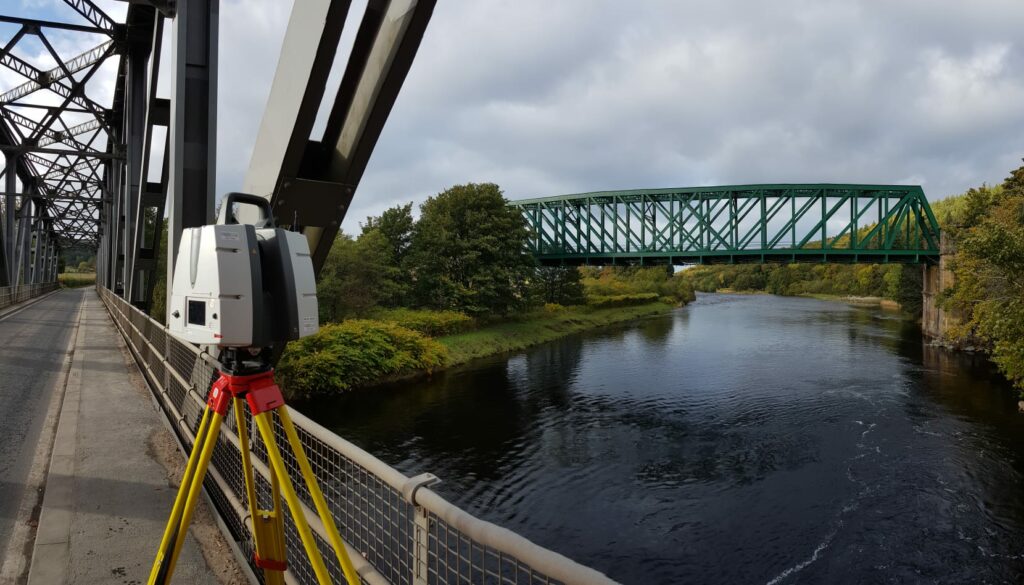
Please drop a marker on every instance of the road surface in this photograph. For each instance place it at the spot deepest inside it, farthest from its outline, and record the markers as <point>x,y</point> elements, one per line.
<point>33,345</point>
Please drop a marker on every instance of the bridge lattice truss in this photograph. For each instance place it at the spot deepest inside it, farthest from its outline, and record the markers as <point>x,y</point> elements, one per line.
<point>735,224</point>
<point>62,145</point>
<point>95,157</point>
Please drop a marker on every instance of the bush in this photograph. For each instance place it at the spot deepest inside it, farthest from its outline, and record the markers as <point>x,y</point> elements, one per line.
<point>343,356</point>
<point>553,308</point>
<point>629,280</point>
<point>427,322</point>
<point>629,300</point>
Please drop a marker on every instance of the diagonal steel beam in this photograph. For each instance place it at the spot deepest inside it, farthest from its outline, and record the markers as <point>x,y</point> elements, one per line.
<point>93,14</point>
<point>29,71</point>
<point>46,79</point>
<point>58,136</point>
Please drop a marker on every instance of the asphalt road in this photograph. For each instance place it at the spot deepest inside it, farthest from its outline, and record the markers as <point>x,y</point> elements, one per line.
<point>33,344</point>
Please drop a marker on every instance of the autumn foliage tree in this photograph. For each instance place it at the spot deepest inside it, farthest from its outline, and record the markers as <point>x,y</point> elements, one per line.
<point>989,269</point>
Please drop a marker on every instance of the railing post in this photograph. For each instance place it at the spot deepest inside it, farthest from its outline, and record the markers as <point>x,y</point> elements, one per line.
<point>421,528</point>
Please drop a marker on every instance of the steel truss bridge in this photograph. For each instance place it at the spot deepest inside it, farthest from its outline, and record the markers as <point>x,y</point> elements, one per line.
<point>735,224</point>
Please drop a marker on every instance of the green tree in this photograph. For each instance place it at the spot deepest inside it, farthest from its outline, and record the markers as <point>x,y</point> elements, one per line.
<point>396,225</point>
<point>468,252</point>
<point>558,284</point>
<point>395,228</point>
<point>356,276</point>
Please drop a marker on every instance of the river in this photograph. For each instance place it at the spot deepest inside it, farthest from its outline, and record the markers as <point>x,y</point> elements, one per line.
<point>741,439</point>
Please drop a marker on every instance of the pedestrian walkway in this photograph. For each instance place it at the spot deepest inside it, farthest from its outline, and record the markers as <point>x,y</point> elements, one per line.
<point>107,494</point>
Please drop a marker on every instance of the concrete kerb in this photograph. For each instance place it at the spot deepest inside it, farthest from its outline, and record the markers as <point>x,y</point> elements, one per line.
<point>50,554</point>
<point>17,557</point>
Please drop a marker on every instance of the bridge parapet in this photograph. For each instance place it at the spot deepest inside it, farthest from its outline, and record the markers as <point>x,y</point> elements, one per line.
<point>735,224</point>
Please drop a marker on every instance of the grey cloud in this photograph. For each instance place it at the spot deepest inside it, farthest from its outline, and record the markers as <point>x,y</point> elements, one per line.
<point>546,98</point>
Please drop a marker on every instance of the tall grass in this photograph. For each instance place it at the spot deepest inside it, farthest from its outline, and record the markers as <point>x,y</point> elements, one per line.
<point>76,279</point>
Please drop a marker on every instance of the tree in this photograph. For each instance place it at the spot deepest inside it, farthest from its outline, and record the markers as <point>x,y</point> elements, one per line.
<point>396,225</point>
<point>468,252</point>
<point>395,228</point>
<point>355,277</point>
<point>989,268</point>
<point>558,284</point>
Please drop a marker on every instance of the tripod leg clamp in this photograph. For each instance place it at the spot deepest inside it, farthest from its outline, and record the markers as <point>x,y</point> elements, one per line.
<point>269,564</point>
<point>220,395</point>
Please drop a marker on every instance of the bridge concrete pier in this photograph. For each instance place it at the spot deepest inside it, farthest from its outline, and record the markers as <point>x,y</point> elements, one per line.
<point>936,321</point>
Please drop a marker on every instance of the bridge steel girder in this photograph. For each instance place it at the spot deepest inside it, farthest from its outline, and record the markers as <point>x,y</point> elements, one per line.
<point>734,224</point>
<point>192,148</point>
<point>310,184</point>
<point>9,228</point>
<point>149,195</point>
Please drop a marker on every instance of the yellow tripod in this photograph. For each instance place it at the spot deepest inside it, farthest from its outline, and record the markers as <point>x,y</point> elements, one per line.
<point>264,398</point>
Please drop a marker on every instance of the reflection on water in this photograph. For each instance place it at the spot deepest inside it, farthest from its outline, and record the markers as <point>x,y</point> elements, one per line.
<point>742,439</point>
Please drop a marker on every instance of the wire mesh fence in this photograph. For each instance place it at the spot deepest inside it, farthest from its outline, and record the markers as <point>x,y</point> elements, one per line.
<point>397,530</point>
<point>10,295</point>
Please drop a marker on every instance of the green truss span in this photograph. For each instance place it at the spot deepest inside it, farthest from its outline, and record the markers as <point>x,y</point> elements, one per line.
<point>735,224</point>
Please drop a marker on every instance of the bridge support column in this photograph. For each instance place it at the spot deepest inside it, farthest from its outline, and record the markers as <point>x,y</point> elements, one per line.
<point>22,268</point>
<point>192,144</point>
<point>10,203</point>
<point>936,321</point>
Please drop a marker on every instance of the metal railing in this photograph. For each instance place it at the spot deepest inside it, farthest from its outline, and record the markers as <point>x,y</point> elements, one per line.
<point>397,529</point>
<point>10,295</point>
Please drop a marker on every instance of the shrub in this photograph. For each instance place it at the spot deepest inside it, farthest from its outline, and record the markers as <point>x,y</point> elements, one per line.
<point>628,300</point>
<point>427,322</point>
<point>553,308</point>
<point>343,356</point>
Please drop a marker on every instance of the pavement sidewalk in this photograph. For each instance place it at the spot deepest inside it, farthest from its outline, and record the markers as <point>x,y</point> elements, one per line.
<point>108,490</point>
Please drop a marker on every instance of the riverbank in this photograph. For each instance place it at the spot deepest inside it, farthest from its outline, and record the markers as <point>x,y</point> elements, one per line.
<point>539,327</point>
<point>860,301</point>
<point>360,354</point>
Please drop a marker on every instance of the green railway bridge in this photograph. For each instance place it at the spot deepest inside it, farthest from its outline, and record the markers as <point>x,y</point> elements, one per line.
<point>781,223</point>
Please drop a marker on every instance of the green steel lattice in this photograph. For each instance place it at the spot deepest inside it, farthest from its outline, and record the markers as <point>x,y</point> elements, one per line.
<point>735,224</point>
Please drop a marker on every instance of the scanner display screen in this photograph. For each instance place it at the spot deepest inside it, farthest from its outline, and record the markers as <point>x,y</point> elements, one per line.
<point>197,313</point>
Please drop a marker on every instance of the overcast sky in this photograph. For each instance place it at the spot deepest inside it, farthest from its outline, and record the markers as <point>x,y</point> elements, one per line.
<point>547,98</point>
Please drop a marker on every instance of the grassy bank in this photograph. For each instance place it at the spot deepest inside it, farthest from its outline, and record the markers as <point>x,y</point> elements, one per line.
<point>367,352</point>
<point>538,327</point>
<point>76,279</point>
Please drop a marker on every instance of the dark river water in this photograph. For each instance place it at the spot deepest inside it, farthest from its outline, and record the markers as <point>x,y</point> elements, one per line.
<point>742,439</point>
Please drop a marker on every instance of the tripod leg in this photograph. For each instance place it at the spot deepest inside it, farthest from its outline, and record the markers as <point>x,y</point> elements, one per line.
<point>174,522</point>
<point>165,565</point>
<point>318,497</point>
<point>243,439</point>
<point>265,424</point>
<point>274,549</point>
